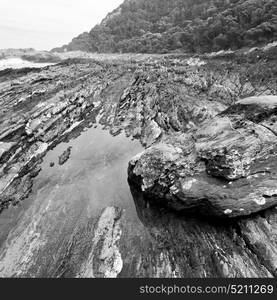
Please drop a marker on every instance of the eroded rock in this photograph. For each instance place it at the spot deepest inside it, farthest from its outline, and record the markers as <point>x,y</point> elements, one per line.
<point>226,168</point>
<point>165,101</point>
<point>104,259</point>
<point>64,157</point>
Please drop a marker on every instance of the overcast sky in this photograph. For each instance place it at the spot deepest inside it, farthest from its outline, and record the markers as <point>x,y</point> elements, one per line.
<point>45,24</point>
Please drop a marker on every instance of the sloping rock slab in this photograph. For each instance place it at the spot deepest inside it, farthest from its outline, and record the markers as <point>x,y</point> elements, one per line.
<point>226,168</point>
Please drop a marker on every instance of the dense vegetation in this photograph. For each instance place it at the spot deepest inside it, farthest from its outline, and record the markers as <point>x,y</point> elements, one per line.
<point>159,26</point>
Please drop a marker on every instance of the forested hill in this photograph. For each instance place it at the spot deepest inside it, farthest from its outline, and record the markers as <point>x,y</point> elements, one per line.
<point>160,26</point>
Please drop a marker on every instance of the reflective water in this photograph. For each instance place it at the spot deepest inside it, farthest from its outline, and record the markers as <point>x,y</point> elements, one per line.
<point>34,235</point>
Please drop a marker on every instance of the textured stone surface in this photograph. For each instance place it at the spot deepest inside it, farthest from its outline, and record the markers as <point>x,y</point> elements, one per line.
<point>189,116</point>
<point>63,158</point>
<point>227,167</point>
<point>104,260</point>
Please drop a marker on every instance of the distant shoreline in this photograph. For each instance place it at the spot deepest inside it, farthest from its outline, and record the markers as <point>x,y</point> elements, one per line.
<point>19,63</point>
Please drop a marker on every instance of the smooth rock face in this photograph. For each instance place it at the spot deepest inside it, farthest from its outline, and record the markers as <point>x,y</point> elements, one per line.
<point>226,168</point>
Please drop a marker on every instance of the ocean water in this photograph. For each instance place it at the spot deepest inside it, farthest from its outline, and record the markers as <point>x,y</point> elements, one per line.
<point>18,63</point>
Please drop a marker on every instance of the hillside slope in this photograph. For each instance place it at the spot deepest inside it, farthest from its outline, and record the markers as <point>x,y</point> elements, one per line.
<point>160,26</point>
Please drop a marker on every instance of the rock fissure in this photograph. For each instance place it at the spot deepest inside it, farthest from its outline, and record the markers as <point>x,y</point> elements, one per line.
<point>252,249</point>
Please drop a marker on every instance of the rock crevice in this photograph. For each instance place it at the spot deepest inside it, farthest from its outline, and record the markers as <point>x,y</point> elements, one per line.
<point>225,168</point>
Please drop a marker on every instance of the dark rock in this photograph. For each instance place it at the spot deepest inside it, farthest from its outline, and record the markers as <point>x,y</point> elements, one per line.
<point>65,156</point>
<point>226,168</point>
<point>205,247</point>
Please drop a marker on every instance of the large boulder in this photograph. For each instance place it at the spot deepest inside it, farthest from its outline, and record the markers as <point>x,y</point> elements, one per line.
<point>226,168</point>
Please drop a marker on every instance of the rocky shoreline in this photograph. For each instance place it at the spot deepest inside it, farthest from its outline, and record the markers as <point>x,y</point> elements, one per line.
<point>185,112</point>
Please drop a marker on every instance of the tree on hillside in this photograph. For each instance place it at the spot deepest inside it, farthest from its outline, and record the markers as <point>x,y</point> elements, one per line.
<point>187,25</point>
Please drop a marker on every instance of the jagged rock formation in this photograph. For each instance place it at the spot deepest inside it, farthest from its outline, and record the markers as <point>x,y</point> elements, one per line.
<point>199,247</point>
<point>148,99</point>
<point>225,168</point>
<point>159,100</point>
<point>63,158</point>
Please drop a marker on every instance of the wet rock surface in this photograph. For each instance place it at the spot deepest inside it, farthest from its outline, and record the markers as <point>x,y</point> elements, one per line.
<point>64,157</point>
<point>208,152</point>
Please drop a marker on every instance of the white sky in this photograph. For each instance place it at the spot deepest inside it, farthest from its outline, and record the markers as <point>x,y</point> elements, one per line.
<point>45,24</point>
